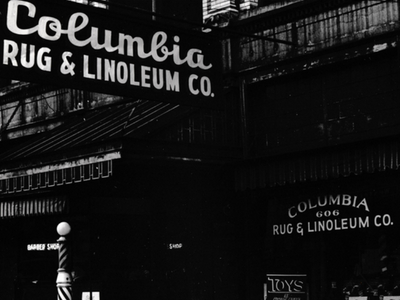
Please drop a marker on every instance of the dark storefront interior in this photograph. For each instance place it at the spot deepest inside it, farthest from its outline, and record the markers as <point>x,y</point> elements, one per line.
<point>141,246</point>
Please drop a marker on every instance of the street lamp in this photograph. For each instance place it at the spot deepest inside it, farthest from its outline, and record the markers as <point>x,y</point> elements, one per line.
<point>64,280</point>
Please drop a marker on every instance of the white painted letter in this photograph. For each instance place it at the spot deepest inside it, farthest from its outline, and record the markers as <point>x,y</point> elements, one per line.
<point>10,51</point>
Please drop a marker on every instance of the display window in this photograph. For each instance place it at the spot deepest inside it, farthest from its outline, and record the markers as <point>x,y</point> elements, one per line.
<point>334,240</point>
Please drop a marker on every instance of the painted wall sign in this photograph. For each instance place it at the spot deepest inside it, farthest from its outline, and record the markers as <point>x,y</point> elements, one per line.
<point>285,287</point>
<point>89,48</point>
<point>331,213</point>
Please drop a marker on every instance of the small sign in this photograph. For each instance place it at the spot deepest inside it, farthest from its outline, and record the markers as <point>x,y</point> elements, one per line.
<point>285,286</point>
<point>42,247</point>
<point>175,246</point>
<point>358,298</point>
<point>94,296</point>
<point>391,297</point>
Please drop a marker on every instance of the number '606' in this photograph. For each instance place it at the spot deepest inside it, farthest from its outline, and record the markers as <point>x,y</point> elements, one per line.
<point>327,213</point>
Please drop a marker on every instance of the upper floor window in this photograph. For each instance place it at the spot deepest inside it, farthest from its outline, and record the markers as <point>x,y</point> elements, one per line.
<point>91,3</point>
<point>275,3</point>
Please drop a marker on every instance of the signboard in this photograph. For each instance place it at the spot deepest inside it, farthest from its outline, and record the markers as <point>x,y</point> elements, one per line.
<point>42,247</point>
<point>79,46</point>
<point>172,246</point>
<point>327,213</point>
<point>90,295</point>
<point>286,286</point>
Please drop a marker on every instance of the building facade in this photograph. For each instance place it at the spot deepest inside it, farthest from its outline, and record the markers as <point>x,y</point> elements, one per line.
<point>144,183</point>
<point>287,189</point>
<point>317,83</point>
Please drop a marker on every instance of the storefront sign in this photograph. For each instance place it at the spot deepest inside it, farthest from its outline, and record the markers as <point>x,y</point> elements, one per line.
<point>285,287</point>
<point>172,246</point>
<point>42,247</point>
<point>89,48</point>
<point>327,213</point>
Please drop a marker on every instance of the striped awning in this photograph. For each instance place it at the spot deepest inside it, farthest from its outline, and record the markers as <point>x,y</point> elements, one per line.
<point>33,207</point>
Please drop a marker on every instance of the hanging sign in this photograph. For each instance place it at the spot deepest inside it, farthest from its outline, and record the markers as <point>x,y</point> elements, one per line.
<point>83,47</point>
<point>331,213</point>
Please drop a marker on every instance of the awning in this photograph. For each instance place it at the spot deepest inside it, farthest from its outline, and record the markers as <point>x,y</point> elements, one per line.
<point>33,207</point>
<point>324,164</point>
<point>73,171</point>
<point>83,148</point>
<point>92,131</point>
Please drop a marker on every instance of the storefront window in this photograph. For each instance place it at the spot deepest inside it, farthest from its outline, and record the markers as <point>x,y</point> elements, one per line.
<point>276,3</point>
<point>341,237</point>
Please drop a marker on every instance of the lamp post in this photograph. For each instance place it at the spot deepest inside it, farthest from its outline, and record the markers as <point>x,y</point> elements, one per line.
<point>64,278</point>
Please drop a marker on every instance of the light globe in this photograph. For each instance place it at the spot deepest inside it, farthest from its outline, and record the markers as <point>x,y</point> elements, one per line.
<point>63,228</point>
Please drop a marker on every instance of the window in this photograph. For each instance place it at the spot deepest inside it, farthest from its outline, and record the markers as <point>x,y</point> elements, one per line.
<point>92,3</point>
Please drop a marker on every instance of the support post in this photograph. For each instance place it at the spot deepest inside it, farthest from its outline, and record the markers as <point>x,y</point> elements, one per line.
<point>154,9</point>
<point>64,278</point>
